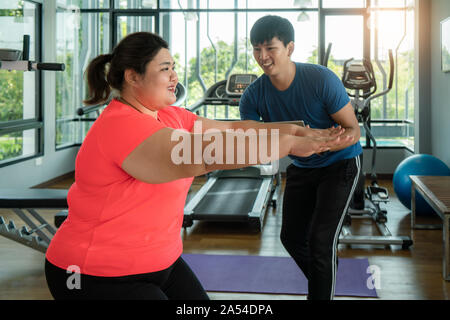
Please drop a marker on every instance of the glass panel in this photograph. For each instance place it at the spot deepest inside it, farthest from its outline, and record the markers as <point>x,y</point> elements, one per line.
<point>80,38</point>
<point>343,4</point>
<point>219,40</point>
<point>67,132</point>
<point>289,4</point>
<point>394,30</point>
<point>183,4</point>
<point>392,3</point>
<point>240,4</point>
<point>18,144</point>
<point>343,48</point>
<point>17,88</point>
<point>306,36</point>
<point>130,24</point>
<point>135,4</point>
<point>179,31</point>
<point>389,31</point>
<point>83,4</point>
<point>393,134</point>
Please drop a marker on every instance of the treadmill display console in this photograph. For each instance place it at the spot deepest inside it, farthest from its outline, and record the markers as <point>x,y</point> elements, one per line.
<point>237,83</point>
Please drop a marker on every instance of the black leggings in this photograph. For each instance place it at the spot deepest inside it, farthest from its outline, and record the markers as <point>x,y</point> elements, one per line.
<point>314,205</point>
<point>177,282</point>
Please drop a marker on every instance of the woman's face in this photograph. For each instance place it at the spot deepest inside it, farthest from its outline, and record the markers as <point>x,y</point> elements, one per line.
<point>156,88</point>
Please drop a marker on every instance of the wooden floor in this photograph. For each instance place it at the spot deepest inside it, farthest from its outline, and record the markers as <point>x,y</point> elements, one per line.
<point>405,274</point>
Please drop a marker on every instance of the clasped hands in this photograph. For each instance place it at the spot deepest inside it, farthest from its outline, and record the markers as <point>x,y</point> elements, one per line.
<point>320,140</point>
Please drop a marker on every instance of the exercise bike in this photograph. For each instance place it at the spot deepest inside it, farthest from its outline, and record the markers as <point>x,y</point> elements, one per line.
<point>368,202</point>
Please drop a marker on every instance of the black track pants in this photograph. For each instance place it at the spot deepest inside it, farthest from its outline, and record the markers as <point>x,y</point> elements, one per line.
<point>174,283</point>
<point>314,206</point>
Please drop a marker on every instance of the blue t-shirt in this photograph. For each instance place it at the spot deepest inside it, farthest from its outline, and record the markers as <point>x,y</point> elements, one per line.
<point>315,94</point>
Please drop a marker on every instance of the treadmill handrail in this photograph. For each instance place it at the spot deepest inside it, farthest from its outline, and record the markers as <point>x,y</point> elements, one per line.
<point>209,99</point>
<point>196,106</point>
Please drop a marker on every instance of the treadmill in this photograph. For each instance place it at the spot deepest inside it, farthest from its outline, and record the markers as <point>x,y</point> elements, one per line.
<point>239,195</point>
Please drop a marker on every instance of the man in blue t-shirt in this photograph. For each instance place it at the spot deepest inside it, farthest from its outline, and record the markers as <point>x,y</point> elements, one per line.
<point>318,188</point>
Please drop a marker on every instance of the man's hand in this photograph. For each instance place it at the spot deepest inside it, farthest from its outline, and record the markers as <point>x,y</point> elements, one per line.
<point>307,145</point>
<point>319,133</point>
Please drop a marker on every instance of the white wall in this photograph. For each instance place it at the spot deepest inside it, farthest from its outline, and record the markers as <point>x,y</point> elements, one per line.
<point>440,86</point>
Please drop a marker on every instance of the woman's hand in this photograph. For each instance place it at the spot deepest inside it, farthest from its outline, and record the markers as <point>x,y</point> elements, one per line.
<point>323,133</point>
<point>308,145</point>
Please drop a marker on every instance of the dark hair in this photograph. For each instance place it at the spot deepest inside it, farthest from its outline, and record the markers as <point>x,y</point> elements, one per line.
<point>268,27</point>
<point>132,52</point>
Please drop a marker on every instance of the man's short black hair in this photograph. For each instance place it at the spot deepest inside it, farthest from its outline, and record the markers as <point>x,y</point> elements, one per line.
<point>268,27</point>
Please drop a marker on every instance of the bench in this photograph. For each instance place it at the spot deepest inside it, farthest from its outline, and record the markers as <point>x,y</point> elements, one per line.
<point>24,203</point>
<point>436,192</point>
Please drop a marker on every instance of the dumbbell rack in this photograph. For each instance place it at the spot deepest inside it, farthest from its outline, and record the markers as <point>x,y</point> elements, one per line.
<point>32,235</point>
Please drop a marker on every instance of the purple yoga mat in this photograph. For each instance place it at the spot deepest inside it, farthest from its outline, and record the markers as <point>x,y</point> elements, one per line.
<point>278,275</point>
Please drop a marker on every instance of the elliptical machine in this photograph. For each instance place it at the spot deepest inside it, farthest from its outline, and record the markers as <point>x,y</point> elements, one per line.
<point>368,202</point>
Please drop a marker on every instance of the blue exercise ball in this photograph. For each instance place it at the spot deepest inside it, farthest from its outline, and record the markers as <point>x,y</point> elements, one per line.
<point>419,165</point>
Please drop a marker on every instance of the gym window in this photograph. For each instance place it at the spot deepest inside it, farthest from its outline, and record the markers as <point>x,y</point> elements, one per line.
<point>21,124</point>
<point>80,37</point>
<point>195,31</point>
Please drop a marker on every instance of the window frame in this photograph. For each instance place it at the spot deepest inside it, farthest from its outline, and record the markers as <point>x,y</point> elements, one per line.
<point>159,12</point>
<point>37,122</point>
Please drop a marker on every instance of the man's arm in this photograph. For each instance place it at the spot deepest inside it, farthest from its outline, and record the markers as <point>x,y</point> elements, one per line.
<point>282,127</point>
<point>346,118</point>
<point>162,157</point>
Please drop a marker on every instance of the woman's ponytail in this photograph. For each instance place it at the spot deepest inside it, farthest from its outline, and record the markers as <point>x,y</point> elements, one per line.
<point>99,89</point>
<point>132,52</point>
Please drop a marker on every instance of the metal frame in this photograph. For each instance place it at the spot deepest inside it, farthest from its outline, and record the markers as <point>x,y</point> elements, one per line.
<point>385,238</point>
<point>131,13</point>
<point>190,207</point>
<point>37,232</point>
<point>259,207</point>
<point>37,122</point>
<point>35,237</point>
